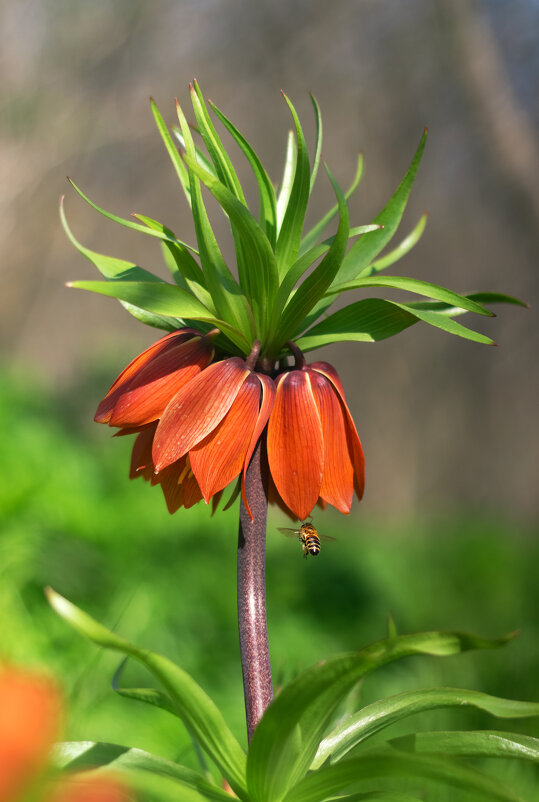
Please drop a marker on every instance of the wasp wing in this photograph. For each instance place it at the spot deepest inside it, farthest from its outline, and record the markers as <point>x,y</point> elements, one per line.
<point>289,532</point>
<point>326,538</point>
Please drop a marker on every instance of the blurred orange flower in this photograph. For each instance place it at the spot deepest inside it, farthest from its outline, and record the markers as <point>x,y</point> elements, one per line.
<point>30,713</point>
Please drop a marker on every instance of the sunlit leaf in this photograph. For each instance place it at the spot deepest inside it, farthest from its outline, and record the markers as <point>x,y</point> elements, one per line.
<point>266,192</point>
<point>196,709</point>
<point>286,250</point>
<point>319,139</point>
<point>397,253</point>
<point>415,286</point>
<point>374,717</point>
<point>287,179</point>
<point>175,157</point>
<point>480,297</point>
<point>287,738</point>
<point>488,743</point>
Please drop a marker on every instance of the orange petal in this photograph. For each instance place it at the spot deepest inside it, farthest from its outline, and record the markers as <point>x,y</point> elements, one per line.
<point>266,405</point>
<point>354,443</point>
<point>196,410</point>
<point>170,481</point>
<point>338,479</point>
<point>29,723</point>
<point>141,456</point>
<point>171,340</point>
<point>295,445</point>
<point>219,458</point>
<point>147,395</point>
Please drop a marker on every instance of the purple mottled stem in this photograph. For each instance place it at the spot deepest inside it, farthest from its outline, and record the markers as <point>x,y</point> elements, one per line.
<point>255,660</point>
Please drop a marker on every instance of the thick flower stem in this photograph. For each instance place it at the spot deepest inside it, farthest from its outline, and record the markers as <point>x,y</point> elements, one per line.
<point>255,660</point>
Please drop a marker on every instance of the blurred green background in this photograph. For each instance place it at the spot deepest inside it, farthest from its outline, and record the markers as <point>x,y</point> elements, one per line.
<point>447,534</point>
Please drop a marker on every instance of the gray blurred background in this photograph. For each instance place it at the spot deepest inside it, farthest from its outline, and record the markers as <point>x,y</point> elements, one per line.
<point>447,425</point>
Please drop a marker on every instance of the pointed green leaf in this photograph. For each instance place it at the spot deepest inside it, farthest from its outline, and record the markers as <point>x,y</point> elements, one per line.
<point>374,319</point>
<point>162,322</point>
<point>287,181</point>
<point>316,231</point>
<point>374,717</point>
<point>286,739</point>
<point>88,755</point>
<point>286,250</point>
<point>175,157</point>
<point>230,303</point>
<point>361,771</point>
<point>258,274</point>
<point>266,192</point>
<point>162,299</point>
<point>224,169</point>
<point>316,284</point>
<point>488,743</point>
<point>401,250</point>
<point>319,137</point>
<point>480,297</point>
<point>130,223</point>
<point>196,709</point>
<point>416,286</point>
<point>367,248</point>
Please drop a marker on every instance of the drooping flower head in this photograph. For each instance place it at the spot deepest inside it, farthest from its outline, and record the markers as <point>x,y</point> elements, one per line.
<point>201,398</point>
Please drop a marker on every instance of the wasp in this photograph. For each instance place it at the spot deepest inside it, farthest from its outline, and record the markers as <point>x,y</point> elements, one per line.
<point>308,537</point>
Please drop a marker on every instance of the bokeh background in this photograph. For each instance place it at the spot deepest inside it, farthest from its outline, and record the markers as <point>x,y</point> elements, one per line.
<point>446,535</point>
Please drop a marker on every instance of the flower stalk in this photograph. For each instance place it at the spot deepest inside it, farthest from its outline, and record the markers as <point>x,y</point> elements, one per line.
<point>253,631</point>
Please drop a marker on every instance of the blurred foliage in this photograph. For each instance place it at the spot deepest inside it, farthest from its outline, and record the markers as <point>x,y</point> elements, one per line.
<point>70,518</point>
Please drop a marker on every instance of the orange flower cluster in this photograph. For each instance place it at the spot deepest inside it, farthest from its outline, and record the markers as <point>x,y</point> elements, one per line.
<point>30,711</point>
<point>199,420</point>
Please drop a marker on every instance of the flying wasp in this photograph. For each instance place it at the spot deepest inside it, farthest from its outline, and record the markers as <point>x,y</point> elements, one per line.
<point>308,537</point>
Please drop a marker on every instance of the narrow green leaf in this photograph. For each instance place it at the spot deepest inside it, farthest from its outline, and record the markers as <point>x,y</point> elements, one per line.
<point>175,157</point>
<point>286,250</point>
<point>258,274</point>
<point>316,231</point>
<point>130,223</point>
<point>366,249</point>
<point>286,739</point>
<point>224,168</point>
<point>401,250</point>
<point>196,709</point>
<point>480,297</point>
<point>384,765</point>
<point>266,192</point>
<point>374,319</point>
<point>230,303</point>
<point>89,755</point>
<point>185,269</point>
<point>374,717</point>
<point>319,137</point>
<point>316,284</point>
<point>287,181</point>
<point>201,157</point>
<point>162,299</point>
<point>416,286</point>
<point>161,322</point>
<point>488,743</point>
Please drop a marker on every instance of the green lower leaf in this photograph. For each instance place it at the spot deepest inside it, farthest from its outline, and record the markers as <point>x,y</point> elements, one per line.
<point>87,755</point>
<point>286,739</point>
<point>362,725</point>
<point>200,715</point>
<point>386,766</point>
<point>487,743</point>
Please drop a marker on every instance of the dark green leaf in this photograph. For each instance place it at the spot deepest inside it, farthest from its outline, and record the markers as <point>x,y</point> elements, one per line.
<point>266,192</point>
<point>416,286</point>
<point>374,319</point>
<point>88,755</point>
<point>286,250</point>
<point>287,737</point>
<point>349,775</point>
<point>319,138</point>
<point>196,709</point>
<point>375,717</point>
